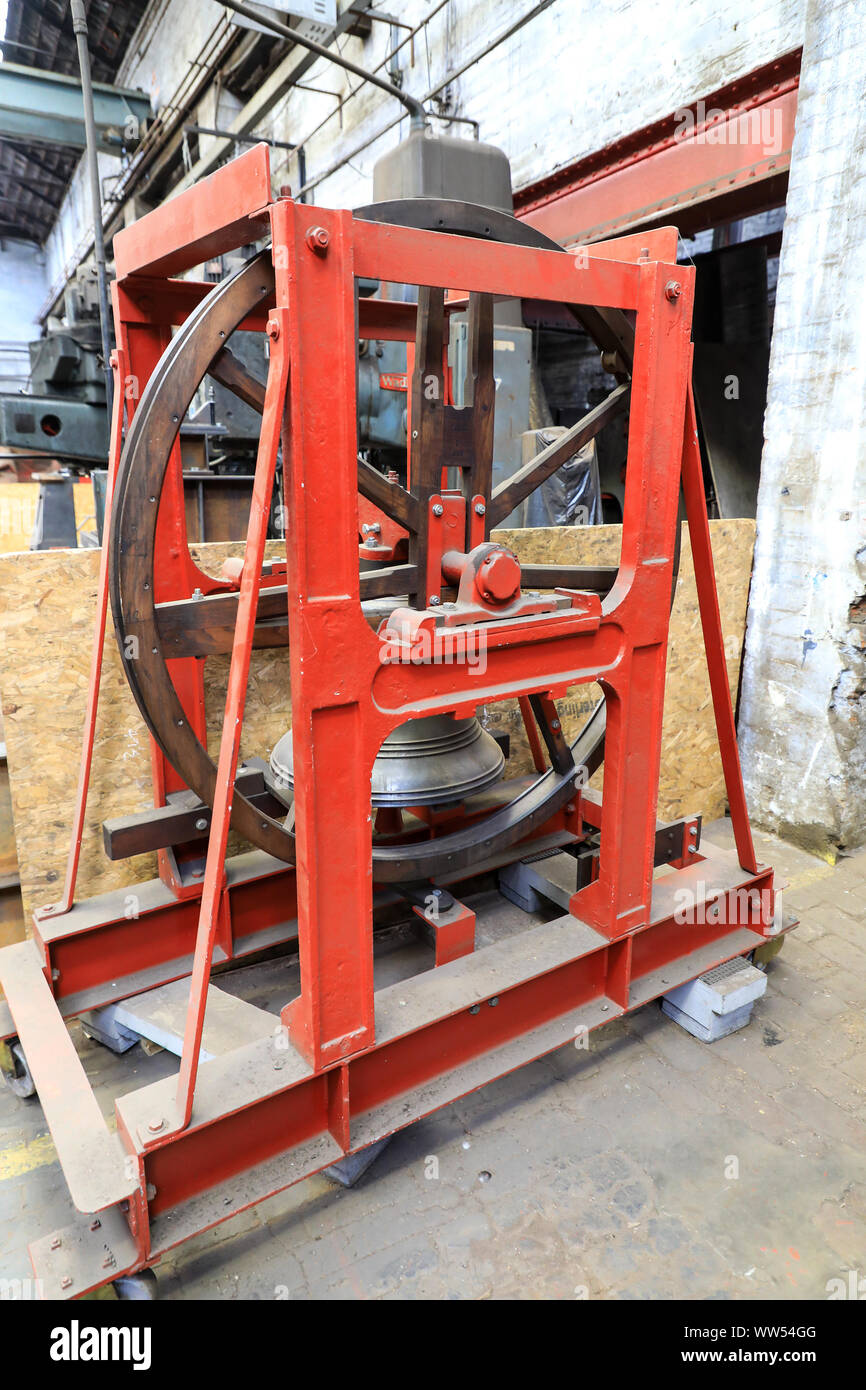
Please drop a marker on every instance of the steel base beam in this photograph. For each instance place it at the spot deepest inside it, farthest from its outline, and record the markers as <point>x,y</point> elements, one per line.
<point>264,1119</point>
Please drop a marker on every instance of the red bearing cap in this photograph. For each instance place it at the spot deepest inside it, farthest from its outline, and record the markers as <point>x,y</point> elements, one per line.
<point>499,576</point>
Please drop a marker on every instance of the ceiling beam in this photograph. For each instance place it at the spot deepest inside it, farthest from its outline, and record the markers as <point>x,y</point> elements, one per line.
<point>44,106</point>
<point>43,223</point>
<point>29,189</point>
<point>32,159</point>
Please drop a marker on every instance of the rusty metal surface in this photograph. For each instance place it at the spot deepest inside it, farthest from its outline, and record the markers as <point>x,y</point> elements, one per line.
<point>83,1255</point>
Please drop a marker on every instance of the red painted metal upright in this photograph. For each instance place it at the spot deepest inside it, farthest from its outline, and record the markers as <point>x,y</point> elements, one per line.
<point>328,640</point>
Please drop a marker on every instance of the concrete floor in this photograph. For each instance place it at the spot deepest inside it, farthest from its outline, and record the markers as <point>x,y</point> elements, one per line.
<point>605,1173</point>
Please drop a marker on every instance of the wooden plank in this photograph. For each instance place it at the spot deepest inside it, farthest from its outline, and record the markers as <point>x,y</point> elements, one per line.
<point>47,603</point>
<point>185,819</point>
<point>599,579</point>
<point>206,626</point>
<point>390,498</point>
<point>232,373</point>
<point>427,443</point>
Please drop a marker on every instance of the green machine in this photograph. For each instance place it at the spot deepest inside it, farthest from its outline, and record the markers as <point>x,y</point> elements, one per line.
<point>63,414</point>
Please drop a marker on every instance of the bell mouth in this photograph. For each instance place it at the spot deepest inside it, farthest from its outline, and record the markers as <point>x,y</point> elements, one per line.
<point>433,761</point>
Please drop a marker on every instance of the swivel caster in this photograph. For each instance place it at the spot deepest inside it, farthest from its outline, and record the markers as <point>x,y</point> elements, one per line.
<point>19,1080</point>
<point>132,1288</point>
<point>767,951</point>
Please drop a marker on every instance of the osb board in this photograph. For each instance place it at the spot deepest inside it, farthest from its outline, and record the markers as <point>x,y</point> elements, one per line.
<point>46,612</point>
<point>47,604</point>
<point>18,505</point>
<point>691,771</point>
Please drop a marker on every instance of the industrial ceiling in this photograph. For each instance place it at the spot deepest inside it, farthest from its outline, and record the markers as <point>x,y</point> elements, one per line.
<point>34,177</point>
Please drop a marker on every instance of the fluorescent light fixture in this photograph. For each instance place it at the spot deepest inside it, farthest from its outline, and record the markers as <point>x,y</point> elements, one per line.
<point>315,19</point>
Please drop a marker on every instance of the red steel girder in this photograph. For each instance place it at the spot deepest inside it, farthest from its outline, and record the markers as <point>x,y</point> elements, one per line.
<point>728,158</point>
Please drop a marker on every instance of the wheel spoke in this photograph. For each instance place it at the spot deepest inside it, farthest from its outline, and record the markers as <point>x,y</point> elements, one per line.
<point>390,498</point>
<point>599,579</point>
<point>230,372</point>
<point>518,487</point>
<point>550,725</point>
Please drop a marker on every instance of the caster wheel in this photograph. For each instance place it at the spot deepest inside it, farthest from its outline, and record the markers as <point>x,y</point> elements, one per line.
<point>140,1287</point>
<point>20,1082</point>
<point>762,955</point>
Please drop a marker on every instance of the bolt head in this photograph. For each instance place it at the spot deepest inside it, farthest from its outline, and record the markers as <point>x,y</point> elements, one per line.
<point>318,240</point>
<point>474,1008</point>
<point>434,600</point>
<point>273,330</point>
<point>480,509</point>
<point>65,1282</point>
<point>56,1243</point>
<point>95,1224</point>
<point>673,290</point>
<point>156,1124</point>
<point>438,509</point>
<point>201,823</point>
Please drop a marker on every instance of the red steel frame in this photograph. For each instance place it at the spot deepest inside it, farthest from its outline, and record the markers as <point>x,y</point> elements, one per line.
<point>731,159</point>
<point>350,1065</point>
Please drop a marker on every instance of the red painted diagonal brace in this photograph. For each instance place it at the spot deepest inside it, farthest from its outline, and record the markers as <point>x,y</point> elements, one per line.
<point>266,461</point>
<point>714,642</point>
<point>119,370</point>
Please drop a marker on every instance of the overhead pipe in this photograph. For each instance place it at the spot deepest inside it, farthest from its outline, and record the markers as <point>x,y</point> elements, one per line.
<point>79,26</point>
<point>412,105</point>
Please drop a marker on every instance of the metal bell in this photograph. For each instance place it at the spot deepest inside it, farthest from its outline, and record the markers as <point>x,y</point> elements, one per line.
<point>424,762</point>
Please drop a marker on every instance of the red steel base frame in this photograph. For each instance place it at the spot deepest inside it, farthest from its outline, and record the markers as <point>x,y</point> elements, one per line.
<point>347,1065</point>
